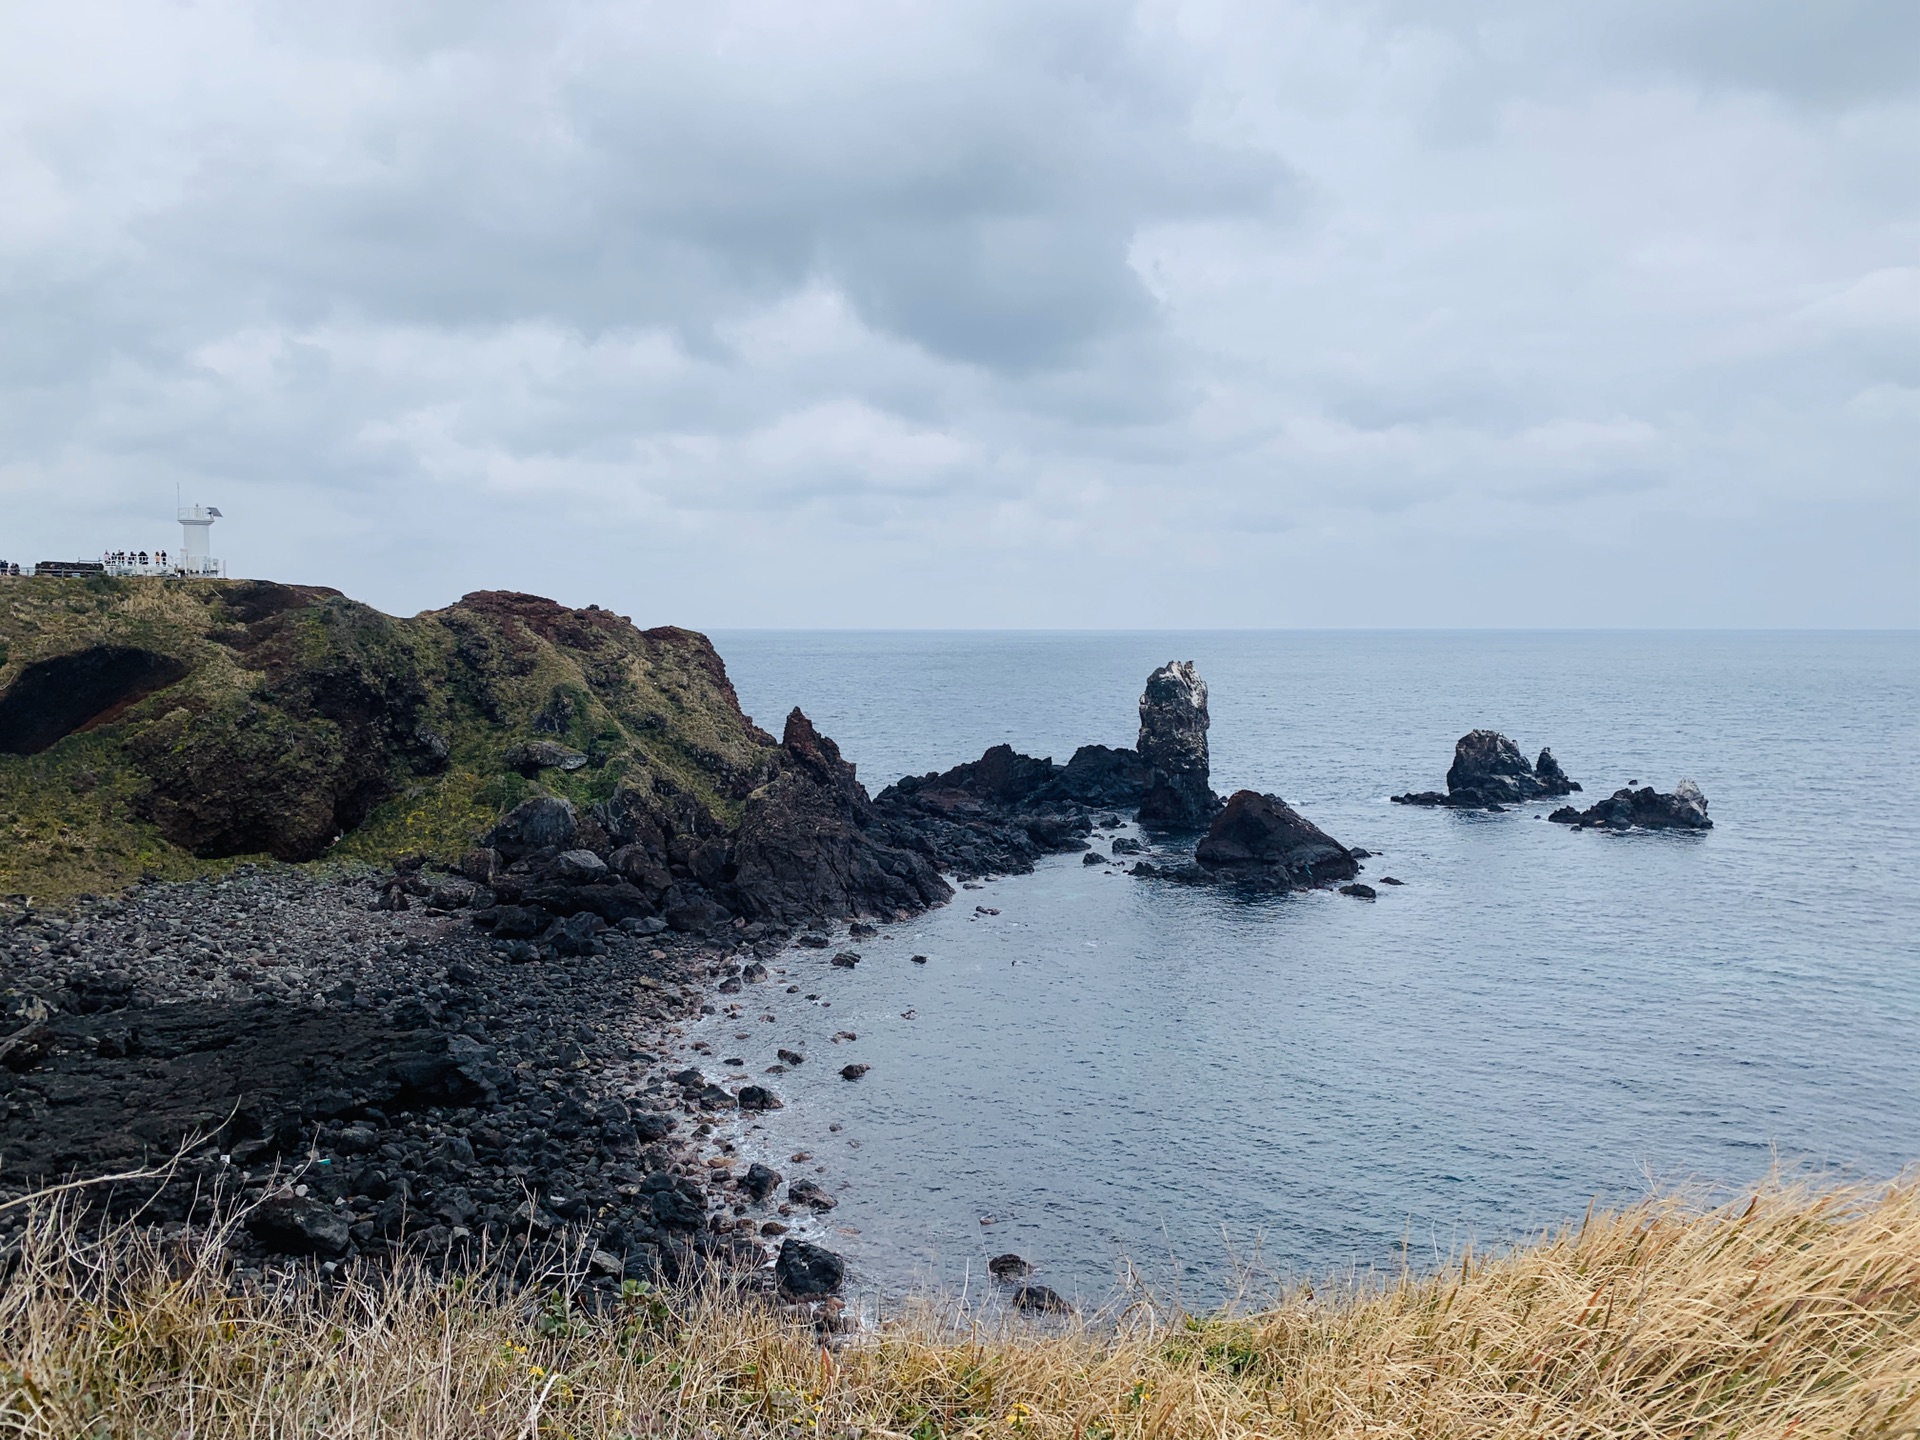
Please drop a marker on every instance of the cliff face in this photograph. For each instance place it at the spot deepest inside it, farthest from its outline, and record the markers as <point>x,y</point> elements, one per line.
<point>147,726</point>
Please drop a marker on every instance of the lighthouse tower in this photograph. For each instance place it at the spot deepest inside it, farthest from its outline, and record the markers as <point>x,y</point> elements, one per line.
<point>195,522</point>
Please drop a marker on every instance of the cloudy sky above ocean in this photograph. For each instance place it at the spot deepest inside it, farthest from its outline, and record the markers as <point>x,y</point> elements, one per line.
<point>1362,312</point>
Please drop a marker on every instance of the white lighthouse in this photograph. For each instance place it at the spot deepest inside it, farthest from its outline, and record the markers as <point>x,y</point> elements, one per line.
<point>195,522</point>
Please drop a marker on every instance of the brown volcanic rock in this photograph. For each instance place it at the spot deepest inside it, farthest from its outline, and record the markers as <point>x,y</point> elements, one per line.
<point>1260,839</point>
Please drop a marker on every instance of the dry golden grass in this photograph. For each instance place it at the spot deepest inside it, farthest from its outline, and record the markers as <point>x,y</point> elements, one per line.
<point>1796,1313</point>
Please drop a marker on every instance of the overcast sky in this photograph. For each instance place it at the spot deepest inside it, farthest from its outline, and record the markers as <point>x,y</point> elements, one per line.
<point>980,313</point>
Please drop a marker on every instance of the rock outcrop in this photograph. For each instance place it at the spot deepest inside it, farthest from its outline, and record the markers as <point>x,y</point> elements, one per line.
<point>1489,771</point>
<point>1002,812</point>
<point>810,840</point>
<point>1643,809</point>
<point>1173,744</point>
<point>1262,842</point>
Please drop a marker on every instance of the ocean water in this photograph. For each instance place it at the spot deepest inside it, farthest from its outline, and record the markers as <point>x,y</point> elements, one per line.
<point>1114,1073</point>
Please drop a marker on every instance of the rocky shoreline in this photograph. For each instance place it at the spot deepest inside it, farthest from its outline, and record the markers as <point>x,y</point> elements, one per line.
<point>376,1082</point>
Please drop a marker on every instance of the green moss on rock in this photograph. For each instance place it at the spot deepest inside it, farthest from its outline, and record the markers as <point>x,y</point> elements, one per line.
<point>305,724</point>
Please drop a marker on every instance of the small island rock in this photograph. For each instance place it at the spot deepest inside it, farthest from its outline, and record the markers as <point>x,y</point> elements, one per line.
<point>1643,809</point>
<point>1261,840</point>
<point>1489,772</point>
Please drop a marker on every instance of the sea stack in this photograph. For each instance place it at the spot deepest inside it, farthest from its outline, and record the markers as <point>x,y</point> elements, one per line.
<point>1173,743</point>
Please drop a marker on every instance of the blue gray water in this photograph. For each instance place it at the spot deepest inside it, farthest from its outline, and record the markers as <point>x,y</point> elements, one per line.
<point>1113,1069</point>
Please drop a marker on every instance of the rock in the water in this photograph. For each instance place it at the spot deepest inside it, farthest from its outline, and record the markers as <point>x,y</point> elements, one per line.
<point>811,1194</point>
<point>1008,1267</point>
<point>1173,743</point>
<point>758,1097</point>
<point>298,1225</point>
<point>759,1182</point>
<point>1043,1299</point>
<point>808,1271</point>
<point>847,959</point>
<point>1489,772</point>
<point>1263,841</point>
<point>1356,890</point>
<point>853,1072</point>
<point>1643,809</point>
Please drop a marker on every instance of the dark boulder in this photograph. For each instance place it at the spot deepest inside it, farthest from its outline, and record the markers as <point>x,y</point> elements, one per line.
<point>613,901</point>
<point>1173,745</point>
<point>808,1271</point>
<point>759,1182</point>
<point>1041,1299</point>
<point>511,922</point>
<point>758,1097</point>
<point>697,915</point>
<point>291,1224</point>
<point>577,867</point>
<point>1643,809</point>
<point>1263,841</point>
<point>811,1194</point>
<point>545,820</point>
<point>1008,1267</point>
<point>576,935</point>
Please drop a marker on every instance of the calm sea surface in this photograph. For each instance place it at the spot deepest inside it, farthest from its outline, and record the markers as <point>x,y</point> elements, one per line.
<point>1115,1071</point>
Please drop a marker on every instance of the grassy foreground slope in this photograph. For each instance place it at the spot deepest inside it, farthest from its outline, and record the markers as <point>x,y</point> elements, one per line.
<point>166,727</point>
<point>1794,1313</point>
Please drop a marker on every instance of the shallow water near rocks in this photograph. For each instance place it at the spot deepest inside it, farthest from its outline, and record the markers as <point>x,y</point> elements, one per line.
<point>1115,1068</point>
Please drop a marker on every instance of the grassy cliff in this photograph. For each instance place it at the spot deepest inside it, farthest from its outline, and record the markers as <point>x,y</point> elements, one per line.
<point>164,727</point>
<point>1794,1313</point>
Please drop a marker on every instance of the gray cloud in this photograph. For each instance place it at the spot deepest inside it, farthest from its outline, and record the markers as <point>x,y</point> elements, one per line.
<point>1006,314</point>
